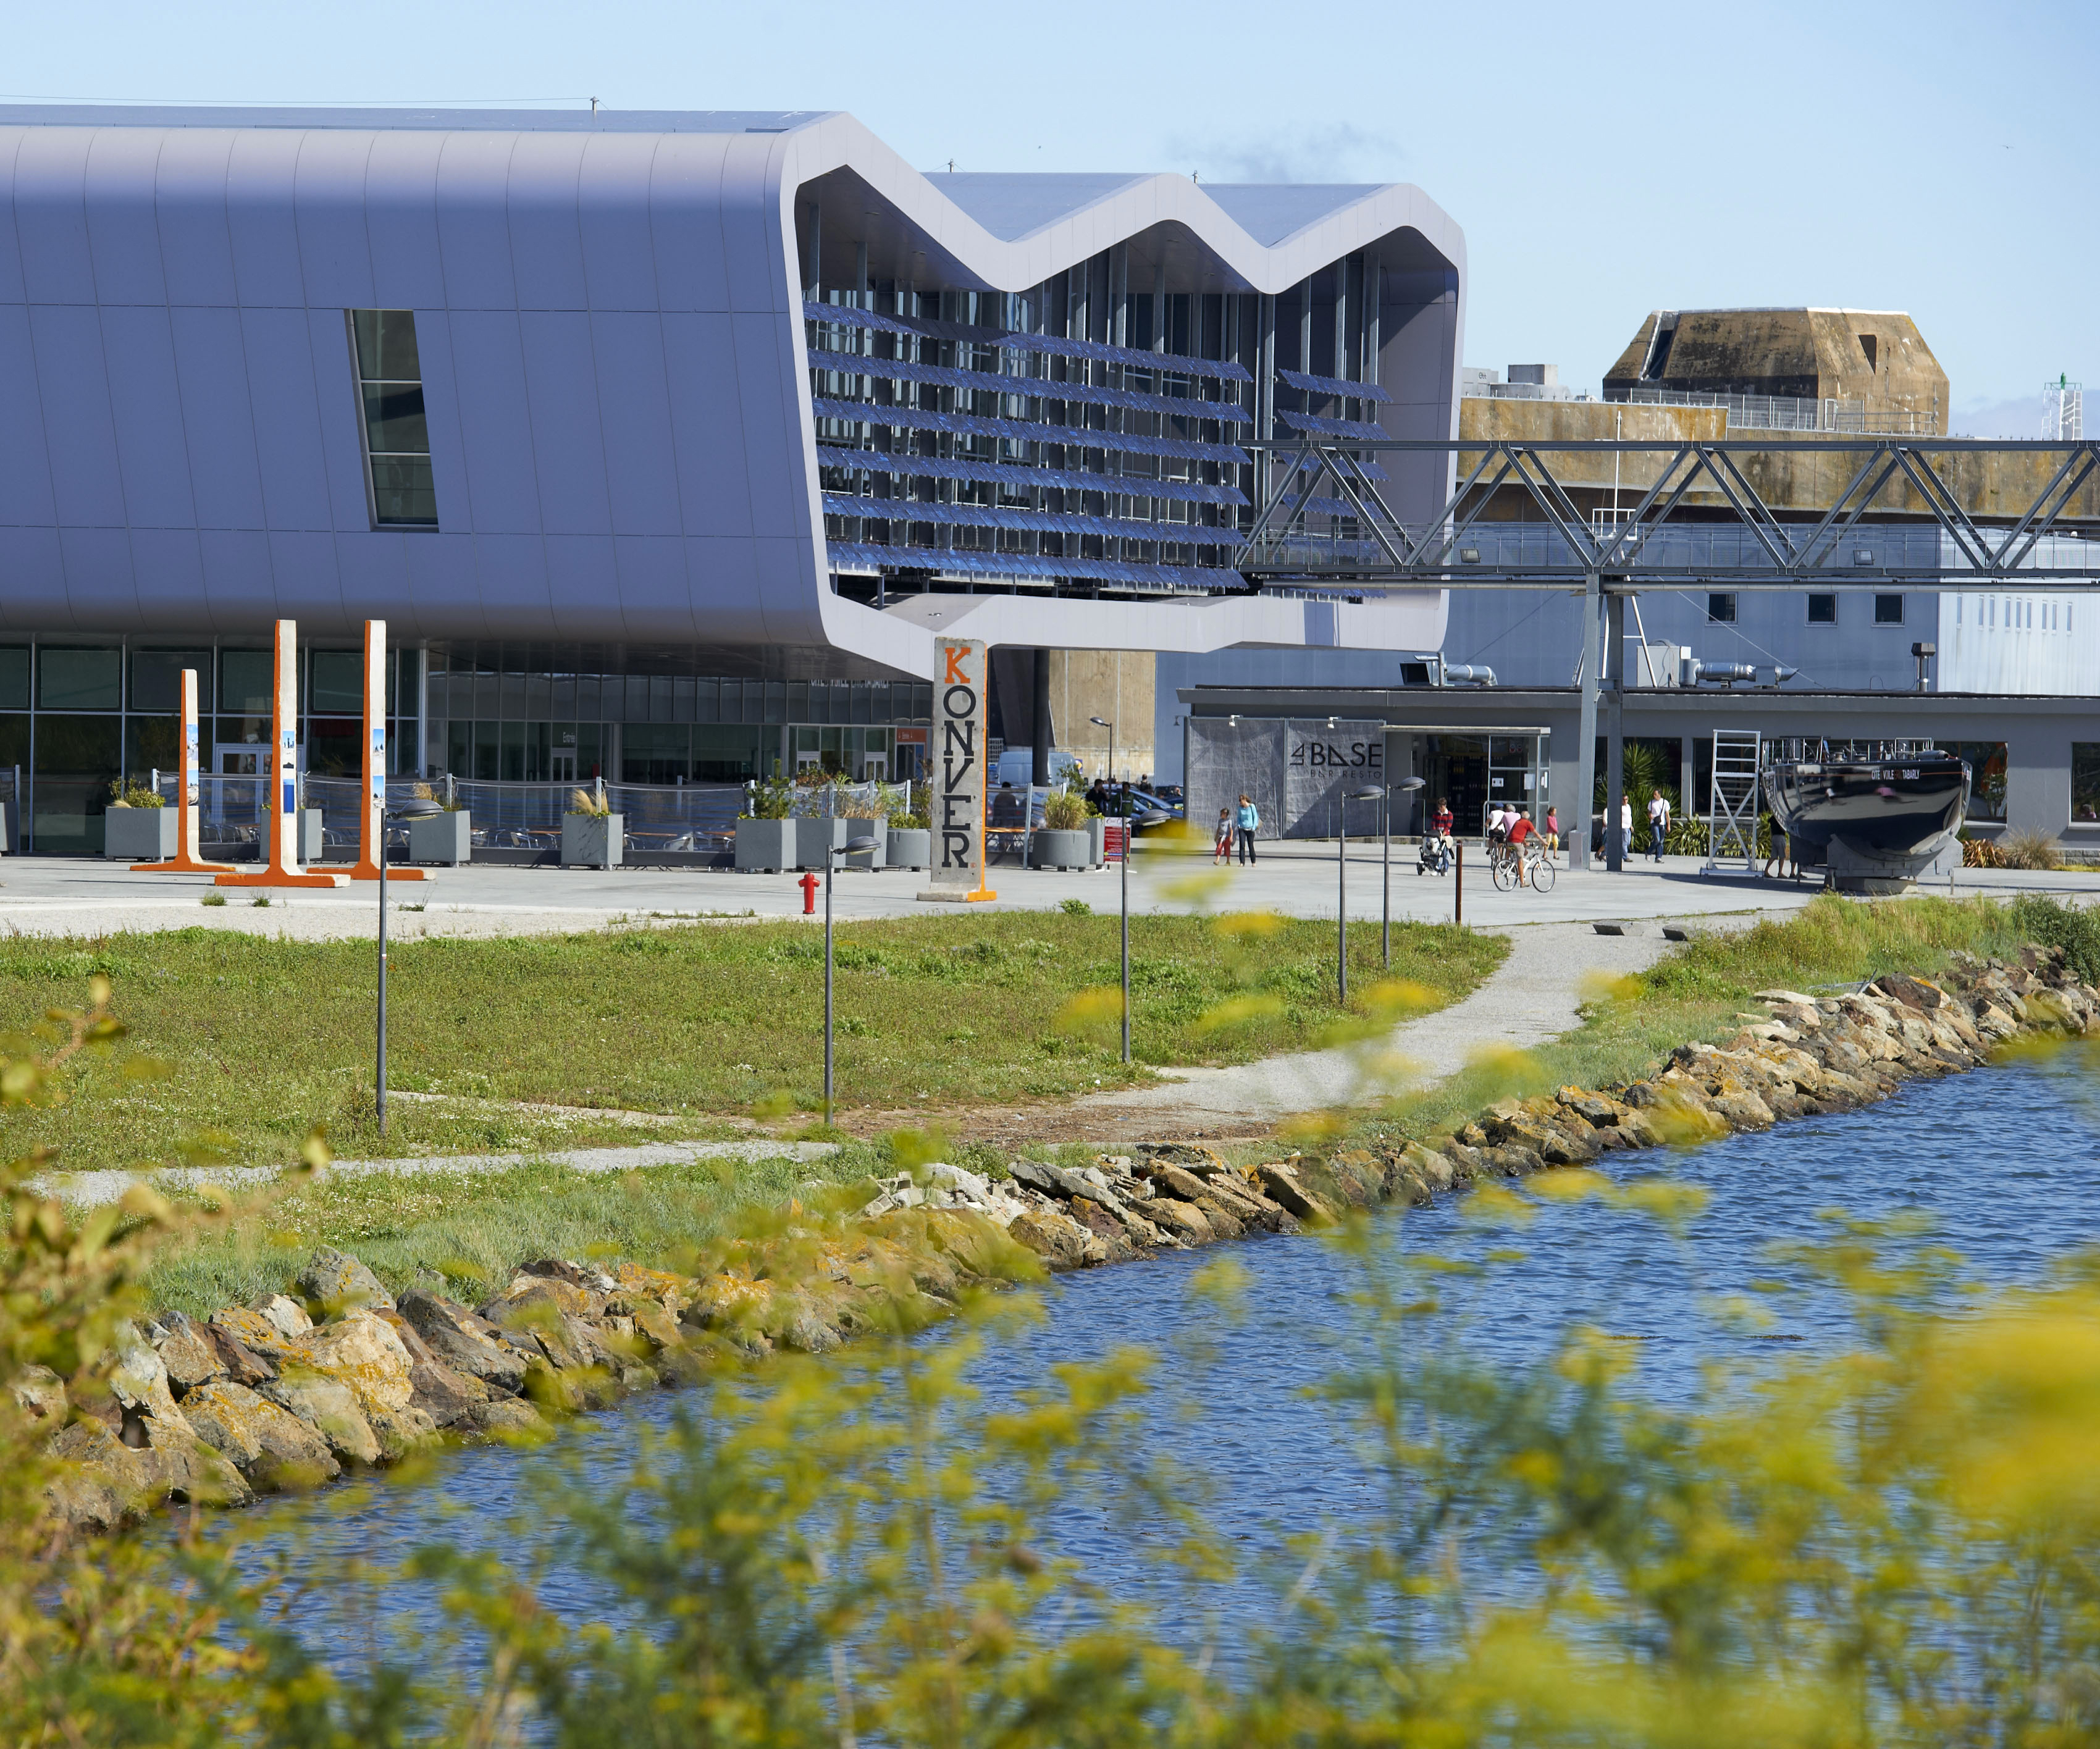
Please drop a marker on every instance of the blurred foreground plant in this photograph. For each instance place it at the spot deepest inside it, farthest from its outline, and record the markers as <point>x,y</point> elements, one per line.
<point>1890,1541</point>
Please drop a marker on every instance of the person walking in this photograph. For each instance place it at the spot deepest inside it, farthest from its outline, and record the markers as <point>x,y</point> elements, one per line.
<point>1249,822</point>
<point>1626,828</point>
<point>1776,852</point>
<point>1658,825</point>
<point>1221,848</point>
<point>1553,831</point>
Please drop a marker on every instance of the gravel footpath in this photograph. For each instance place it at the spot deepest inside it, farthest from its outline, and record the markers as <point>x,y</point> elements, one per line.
<point>1532,996</point>
<point>87,1189</point>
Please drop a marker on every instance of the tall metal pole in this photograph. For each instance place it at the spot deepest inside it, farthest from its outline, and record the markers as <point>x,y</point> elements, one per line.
<point>1128,840</point>
<point>1385,819</point>
<point>382,971</point>
<point>830,858</point>
<point>1586,733</point>
<point>1341,901</point>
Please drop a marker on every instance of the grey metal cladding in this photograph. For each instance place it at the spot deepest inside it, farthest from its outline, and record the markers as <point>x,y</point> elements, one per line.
<point>609,320</point>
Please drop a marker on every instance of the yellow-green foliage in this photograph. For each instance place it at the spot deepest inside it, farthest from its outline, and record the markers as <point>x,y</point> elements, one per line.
<point>1889,1542</point>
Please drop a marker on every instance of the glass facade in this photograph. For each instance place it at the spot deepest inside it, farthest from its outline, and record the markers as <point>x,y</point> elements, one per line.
<point>397,436</point>
<point>2085,782</point>
<point>512,718</point>
<point>77,718</point>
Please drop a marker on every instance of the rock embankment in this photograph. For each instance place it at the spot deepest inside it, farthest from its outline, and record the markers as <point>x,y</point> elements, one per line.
<point>1801,1055</point>
<point>337,1374</point>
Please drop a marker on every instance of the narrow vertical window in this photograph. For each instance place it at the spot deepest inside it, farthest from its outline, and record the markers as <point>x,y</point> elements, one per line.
<point>397,437</point>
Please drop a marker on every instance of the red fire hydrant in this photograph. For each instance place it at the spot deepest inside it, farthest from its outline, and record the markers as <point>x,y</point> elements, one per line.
<point>809,884</point>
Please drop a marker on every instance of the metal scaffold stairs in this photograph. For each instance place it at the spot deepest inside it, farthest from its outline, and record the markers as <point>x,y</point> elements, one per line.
<point>1732,826</point>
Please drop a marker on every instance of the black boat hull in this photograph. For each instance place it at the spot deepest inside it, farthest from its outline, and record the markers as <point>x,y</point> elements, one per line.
<point>1905,807</point>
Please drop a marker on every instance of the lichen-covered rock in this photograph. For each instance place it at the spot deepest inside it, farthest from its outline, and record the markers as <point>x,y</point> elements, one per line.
<point>1282,1185</point>
<point>399,1431</point>
<point>1185,1220</point>
<point>260,1335</point>
<point>448,1398</point>
<point>271,1447</point>
<point>1055,1237</point>
<point>118,1480</point>
<point>361,1351</point>
<point>242,1364</point>
<point>337,1282</point>
<point>508,1417</point>
<point>138,1382</point>
<point>40,1394</point>
<point>329,1407</point>
<point>463,1340</point>
<point>187,1354</point>
<point>1114,1234</point>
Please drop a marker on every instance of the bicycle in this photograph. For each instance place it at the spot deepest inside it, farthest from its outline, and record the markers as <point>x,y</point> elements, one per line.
<point>1513,865</point>
<point>1505,865</point>
<point>1539,868</point>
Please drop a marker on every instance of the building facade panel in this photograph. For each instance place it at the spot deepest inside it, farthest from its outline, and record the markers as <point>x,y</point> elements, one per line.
<point>72,385</point>
<point>568,445</point>
<point>123,243</point>
<point>613,207</point>
<point>195,241</point>
<point>631,387</point>
<point>50,216</point>
<point>335,247</point>
<point>546,233</point>
<point>400,211</point>
<point>282,369</point>
<point>262,178</point>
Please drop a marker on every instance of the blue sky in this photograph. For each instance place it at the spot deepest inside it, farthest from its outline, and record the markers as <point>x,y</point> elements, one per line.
<point>1603,160</point>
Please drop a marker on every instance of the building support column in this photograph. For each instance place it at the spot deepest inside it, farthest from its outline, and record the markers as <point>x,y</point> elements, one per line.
<point>1687,779</point>
<point>1615,727</point>
<point>1586,733</point>
<point>1038,712</point>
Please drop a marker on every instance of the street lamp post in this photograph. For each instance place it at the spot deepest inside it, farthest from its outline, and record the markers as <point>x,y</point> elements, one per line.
<point>416,809</point>
<point>1406,786</point>
<point>1369,793</point>
<point>1151,817</point>
<point>853,846</point>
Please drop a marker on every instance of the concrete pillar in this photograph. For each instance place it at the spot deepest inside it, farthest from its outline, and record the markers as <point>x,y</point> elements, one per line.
<point>1577,823</point>
<point>1687,778</point>
<point>1039,711</point>
<point>1614,680</point>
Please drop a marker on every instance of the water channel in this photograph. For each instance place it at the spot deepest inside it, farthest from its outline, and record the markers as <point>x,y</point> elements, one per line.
<point>2002,1160</point>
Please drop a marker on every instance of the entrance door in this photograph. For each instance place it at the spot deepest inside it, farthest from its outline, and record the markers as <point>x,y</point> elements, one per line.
<point>562,764</point>
<point>246,763</point>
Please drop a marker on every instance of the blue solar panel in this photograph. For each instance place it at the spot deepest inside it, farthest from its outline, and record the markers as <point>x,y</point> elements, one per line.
<point>1346,428</point>
<point>1024,431</point>
<point>968,563</point>
<point>990,382</point>
<point>1174,363</point>
<point>1341,385</point>
<point>1018,473</point>
<point>1032,522</point>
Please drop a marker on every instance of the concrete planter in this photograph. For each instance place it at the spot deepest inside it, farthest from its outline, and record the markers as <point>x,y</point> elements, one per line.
<point>1059,850</point>
<point>876,858</point>
<point>313,841</point>
<point>139,835</point>
<point>814,839</point>
<point>593,840</point>
<point>910,847</point>
<point>445,837</point>
<point>768,845</point>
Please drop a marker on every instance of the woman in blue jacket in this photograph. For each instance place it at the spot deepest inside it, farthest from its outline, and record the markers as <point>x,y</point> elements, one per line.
<point>1248,820</point>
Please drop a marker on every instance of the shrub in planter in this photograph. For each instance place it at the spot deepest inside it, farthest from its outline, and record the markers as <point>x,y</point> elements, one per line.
<point>592,835</point>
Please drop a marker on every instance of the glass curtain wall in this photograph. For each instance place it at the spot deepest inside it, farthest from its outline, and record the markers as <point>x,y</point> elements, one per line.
<point>77,718</point>
<point>500,718</point>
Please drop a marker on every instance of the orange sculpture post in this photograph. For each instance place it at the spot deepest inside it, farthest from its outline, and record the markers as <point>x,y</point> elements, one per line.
<point>186,860</point>
<point>282,869</point>
<point>371,823</point>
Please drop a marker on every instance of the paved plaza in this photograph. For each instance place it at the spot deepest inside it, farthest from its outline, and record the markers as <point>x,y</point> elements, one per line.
<point>59,895</point>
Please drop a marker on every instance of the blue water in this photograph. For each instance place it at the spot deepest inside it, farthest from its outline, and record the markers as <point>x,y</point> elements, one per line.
<point>2000,1163</point>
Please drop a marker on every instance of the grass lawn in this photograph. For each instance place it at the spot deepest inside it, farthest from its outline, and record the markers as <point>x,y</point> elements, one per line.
<point>263,1039</point>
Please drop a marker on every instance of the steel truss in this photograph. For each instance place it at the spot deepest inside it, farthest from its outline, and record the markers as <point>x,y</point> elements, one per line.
<point>1335,484</point>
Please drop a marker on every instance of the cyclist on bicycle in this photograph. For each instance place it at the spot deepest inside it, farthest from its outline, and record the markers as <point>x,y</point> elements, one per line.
<point>1519,829</point>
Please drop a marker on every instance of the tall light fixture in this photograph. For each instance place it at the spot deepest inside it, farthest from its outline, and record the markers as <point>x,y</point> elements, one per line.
<point>415,807</point>
<point>1406,786</point>
<point>1370,792</point>
<point>853,846</point>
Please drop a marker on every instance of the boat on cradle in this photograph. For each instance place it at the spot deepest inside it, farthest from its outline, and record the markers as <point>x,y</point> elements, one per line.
<point>1875,815</point>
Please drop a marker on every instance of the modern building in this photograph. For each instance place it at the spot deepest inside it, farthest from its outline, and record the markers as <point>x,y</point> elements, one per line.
<point>665,444</point>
